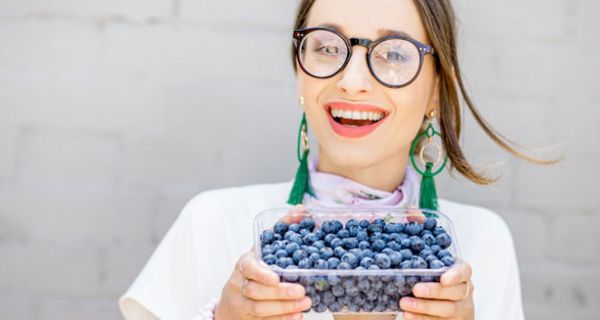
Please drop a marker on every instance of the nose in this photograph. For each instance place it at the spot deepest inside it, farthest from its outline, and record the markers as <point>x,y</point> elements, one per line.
<point>356,76</point>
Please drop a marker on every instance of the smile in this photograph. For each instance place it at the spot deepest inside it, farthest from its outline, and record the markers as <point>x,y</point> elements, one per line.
<point>354,120</point>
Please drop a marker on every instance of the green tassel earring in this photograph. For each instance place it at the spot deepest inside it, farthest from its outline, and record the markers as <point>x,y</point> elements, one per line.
<point>302,180</point>
<point>427,193</point>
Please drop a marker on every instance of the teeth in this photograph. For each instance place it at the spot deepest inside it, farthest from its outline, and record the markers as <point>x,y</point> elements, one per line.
<point>357,115</point>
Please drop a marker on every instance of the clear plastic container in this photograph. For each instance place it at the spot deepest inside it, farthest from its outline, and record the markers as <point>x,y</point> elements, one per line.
<point>343,291</point>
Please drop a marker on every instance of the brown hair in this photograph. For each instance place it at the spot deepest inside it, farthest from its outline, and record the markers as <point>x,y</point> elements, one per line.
<point>440,24</point>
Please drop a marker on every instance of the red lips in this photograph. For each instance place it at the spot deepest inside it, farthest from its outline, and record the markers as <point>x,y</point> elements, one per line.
<point>353,132</point>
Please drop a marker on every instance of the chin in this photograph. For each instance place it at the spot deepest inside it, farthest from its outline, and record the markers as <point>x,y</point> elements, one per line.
<point>351,158</point>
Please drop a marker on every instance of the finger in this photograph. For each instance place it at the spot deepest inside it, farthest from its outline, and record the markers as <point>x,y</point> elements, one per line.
<point>430,307</point>
<point>416,316</point>
<point>267,308</point>
<point>284,291</point>
<point>459,272</point>
<point>415,214</point>
<point>293,316</point>
<point>251,268</point>
<point>432,290</point>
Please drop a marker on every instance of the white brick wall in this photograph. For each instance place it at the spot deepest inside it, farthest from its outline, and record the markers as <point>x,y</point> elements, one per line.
<point>113,114</point>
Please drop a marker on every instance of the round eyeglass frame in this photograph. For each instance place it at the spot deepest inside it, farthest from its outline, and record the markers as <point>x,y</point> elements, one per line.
<point>422,48</point>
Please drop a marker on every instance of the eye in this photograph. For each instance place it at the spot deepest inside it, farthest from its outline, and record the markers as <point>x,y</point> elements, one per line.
<point>328,50</point>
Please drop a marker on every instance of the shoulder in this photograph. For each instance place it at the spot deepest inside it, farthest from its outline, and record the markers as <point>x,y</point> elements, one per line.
<point>476,223</point>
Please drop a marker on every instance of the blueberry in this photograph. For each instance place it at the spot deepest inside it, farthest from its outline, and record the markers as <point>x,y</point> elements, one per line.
<point>319,234</point>
<point>396,258</point>
<point>343,234</point>
<point>394,245</point>
<point>425,252</point>
<point>405,243</point>
<point>447,260</point>
<point>281,253</point>
<point>419,263</point>
<point>344,266</point>
<point>339,252</point>
<point>278,236</point>
<point>310,250</point>
<point>337,225</point>
<point>406,264</point>
<point>430,223</point>
<point>354,230</point>
<point>364,245</point>
<point>367,253</point>
<point>308,224</point>
<point>326,253</point>
<point>294,227</point>
<point>267,237</point>
<point>328,238</point>
<point>366,262</point>
<point>309,238</point>
<point>338,290</point>
<point>337,242</point>
<point>328,227</point>
<point>357,252</point>
<point>321,264</point>
<point>305,263</point>
<point>435,248</point>
<point>270,259</point>
<point>406,254</point>
<point>314,257</point>
<point>417,245</point>
<point>284,262</point>
<point>380,222</point>
<point>374,228</point>
<point>333,262</point>
<point>436,264</point>
<point>321,284</point>
<point>429,239</point>
<point>378,245</point>
<point>291,248</point>
<point>280,228</point>
<point>364,223</point>
<point>320,308</point>
<point>442,253</point>
<point>430,258</point>
<point>438,230</point>
<point>387,251</point>
<point>351,243</point>
<point>350,223</point>
<point>413,228</point>
<point>303,232</point>
<point>319,244</point>
<point>444,240</point>
<point>296,238</point>
<point>362,236</point>
<point>350,258</point>
<point>383,261</point>
<point>299,255</point>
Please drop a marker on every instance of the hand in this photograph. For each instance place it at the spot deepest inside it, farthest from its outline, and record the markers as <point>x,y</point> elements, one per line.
<point>452,298</point>
<point>254,292</point>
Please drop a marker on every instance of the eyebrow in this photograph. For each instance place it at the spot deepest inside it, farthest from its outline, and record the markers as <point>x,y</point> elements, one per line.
<point>382,32</point>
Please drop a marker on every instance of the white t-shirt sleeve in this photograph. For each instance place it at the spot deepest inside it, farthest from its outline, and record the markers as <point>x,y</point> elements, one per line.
<point>168,287</point>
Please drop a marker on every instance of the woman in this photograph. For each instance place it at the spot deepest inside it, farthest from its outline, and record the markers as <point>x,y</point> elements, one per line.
<point>365,114</point>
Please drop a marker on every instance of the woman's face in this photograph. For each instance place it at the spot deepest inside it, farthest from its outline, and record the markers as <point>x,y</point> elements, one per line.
<point>403,108</point>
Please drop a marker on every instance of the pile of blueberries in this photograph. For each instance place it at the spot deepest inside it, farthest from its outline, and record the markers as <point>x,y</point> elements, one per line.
<point>359,245</point>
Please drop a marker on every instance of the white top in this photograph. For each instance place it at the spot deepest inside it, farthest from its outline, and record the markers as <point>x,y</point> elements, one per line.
<point>198,253</point>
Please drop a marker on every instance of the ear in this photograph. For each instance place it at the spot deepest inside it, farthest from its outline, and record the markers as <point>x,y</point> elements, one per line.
<point>434,100</point>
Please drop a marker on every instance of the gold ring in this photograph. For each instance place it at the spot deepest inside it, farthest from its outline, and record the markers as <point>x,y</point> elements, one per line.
<point>469,284</point>
<point>244,287</point>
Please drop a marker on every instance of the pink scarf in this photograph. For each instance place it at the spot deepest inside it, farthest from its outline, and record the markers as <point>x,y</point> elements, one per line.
<point>332,190</point>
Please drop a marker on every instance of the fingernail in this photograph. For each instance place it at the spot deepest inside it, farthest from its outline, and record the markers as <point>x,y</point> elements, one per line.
<point>408,303</point>
<point>304,303</point>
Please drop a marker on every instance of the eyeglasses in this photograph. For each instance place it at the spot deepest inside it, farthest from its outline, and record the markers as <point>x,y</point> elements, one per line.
<point>395,61</point>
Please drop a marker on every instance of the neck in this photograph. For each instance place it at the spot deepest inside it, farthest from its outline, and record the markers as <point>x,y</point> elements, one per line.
<point>385,176</point>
